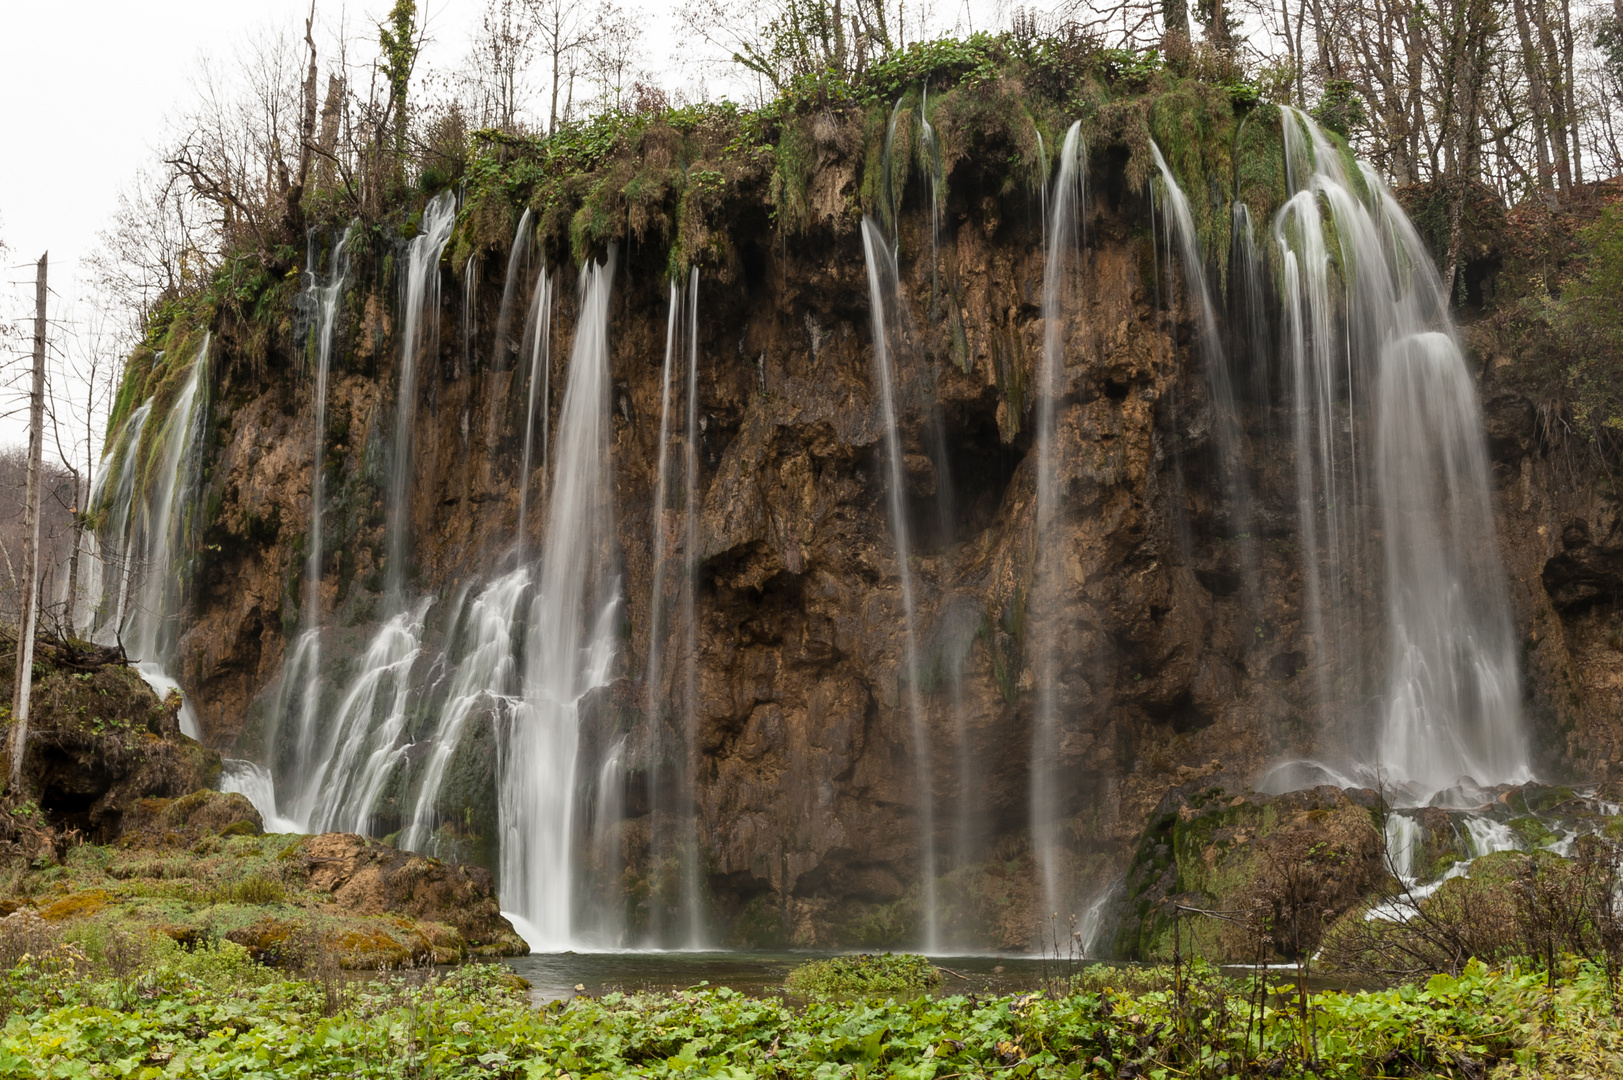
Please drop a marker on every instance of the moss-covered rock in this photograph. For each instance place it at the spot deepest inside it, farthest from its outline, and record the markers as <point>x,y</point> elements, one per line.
<point>1249,875</point>
<point>100,741</point>
<point>333,898</point>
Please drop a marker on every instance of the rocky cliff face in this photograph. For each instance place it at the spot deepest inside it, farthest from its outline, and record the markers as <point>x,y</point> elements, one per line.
<point>1176,660</point>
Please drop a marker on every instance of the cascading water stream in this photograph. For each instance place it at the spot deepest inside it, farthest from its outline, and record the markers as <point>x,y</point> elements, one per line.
<point>1378,360</point>
<point>653,688</point>
<point>484,683</point>
<point>540,347</point>
<point>1225,418</point>
<point>363,747</point>
<point>690,625</point>
<point>1249,309</point>
<point>253,781</point>
<point>571,643</point>
<point>301,674</point>
<point>116,536</point>
<point>500,375</point>
<point>420,304</point>
<point>881,263</point>
<point>350,765</point>
<point>930,163</point>
<point>518,264</point>
<point>681,335</point>
<point>163,531</point>
<point>1064,245</point>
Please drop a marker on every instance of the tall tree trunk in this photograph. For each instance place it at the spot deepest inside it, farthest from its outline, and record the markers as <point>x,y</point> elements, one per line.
<point>73,560</point>
<point>1538,99</point>
<point>1556,78</point>
<point>1571,94</point>
<point>29,594</point>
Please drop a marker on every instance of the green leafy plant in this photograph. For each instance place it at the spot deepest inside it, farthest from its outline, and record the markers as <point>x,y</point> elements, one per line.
<point>887,973</point>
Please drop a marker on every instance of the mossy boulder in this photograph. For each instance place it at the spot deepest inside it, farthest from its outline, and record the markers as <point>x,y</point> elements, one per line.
<point>365,877</point>
<point>100,740</point>
<point>1247,875</point>
<point>186,820</point>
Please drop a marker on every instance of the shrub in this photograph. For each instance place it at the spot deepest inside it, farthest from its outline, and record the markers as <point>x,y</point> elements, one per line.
<point>863,974</point>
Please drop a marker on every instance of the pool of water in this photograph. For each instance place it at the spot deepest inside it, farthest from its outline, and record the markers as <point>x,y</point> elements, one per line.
<point>563,975</point>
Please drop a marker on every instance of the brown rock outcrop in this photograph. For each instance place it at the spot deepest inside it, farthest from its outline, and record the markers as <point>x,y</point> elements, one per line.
<point>369,878</point>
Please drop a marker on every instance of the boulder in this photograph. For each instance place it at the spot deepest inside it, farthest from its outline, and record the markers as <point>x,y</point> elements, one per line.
<point>365,877</point>
<point>100,741</point>
<point>1249,876</point>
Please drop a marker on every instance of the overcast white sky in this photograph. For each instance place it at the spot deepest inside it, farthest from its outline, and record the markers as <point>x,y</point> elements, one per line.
<point>87,86</point>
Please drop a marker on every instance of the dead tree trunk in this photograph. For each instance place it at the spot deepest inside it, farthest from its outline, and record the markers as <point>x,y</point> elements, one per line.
<point>30,592</point>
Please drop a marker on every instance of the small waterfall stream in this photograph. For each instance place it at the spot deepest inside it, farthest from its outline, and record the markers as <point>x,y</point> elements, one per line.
<point>1225,416</point>
<point>881,261</point>
<point>1064,247</point>
<point>673,748</point>
<point>301,672</point>
<point>420,305</point>
<point>538,398</point>
<point>691,885</point>
<point>484,682</point>
<point>163,536</point>
<point>117,540</point>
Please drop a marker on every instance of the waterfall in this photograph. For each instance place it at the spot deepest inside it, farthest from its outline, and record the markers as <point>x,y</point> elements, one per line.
<point>690,626</point>
<point>420,303</point>
<point>518,257</point>
<point>301,673</point>
<point>1453,708</point>
<point>1064,244</point>
<point>362,748</point>
<point>1248,308</point>
<point>654,691</point>
<point>930,163</point>
<point>115,537</point>
<point>571,643</point>
<point>1225,425</point>
<point>162,534</point>
<point>343,773</point>
<point>540,342</point>
<point>253,782</point>
<point>484,683</point>
<point>681,335</point>
<point>499,377</point>
<point>881,263</point>
<point>1376,358</point>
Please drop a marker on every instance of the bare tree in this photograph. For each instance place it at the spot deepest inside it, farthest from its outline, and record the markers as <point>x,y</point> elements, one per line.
<point>613,55</point>
<point>500,61</point>
<point>563,29</point>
